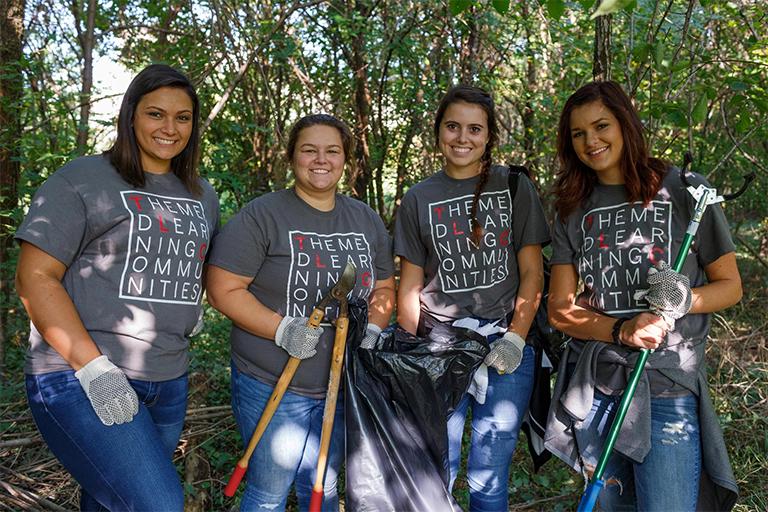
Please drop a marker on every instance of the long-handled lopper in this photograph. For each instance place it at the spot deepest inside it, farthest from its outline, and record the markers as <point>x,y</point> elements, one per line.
<point>331,395</point>
<point>345,283</point>
<point>704,197</point>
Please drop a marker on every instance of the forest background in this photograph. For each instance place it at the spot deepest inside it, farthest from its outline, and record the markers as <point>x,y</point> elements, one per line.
<point>697,69</point>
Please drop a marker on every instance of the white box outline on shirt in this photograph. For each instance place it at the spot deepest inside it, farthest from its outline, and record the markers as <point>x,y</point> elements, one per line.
<point>325,235</point>
<point>440,257</point>
<point>123,195</point>
<point>624,205</point>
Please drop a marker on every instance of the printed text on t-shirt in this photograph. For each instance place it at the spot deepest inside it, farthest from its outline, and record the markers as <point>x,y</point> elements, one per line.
<point>620,244</point>
<point>464,265</point>
<point>317,261</point>
<point>167,245</point>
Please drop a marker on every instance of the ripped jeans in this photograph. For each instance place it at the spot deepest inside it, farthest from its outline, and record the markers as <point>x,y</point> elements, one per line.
<point>668,479</point>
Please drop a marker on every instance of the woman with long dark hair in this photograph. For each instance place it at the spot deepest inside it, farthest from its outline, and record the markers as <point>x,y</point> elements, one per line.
<point>110,272</point>
<point>621,219</point>
<point>470,251</point>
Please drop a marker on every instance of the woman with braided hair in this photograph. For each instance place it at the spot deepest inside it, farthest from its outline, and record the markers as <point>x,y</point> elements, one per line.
<point>468,250</point>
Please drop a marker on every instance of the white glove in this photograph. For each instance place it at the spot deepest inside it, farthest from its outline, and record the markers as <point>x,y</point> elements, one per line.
<point>506,353</point>
<point>297,338</point>
<point>371,336</point>
<point>668,293</point>
<point>109,391</point>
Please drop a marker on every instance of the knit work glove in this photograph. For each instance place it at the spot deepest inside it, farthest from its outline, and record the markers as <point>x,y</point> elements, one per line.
<point>297,338</point>
<point>109,391</point>
<point>506,353</point>
<point>371,336</point>
<point>668,293</point>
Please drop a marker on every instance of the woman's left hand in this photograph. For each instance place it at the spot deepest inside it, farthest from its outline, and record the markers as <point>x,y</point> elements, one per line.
<point>645,330</point>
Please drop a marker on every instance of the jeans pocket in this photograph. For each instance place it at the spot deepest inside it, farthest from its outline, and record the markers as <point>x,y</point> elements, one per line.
<point>59,389</point>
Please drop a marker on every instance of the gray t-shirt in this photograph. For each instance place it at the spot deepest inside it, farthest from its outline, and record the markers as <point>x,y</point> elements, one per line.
<point>295,255</point>
<point>433,231</point>
<point>613,243</point>
<point>134,261</point>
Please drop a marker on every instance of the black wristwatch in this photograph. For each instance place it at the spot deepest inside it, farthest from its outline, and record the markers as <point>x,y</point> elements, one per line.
<point>616,331</point>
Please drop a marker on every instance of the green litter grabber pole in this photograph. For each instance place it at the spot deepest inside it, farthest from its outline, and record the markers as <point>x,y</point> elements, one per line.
<point>704,197</point>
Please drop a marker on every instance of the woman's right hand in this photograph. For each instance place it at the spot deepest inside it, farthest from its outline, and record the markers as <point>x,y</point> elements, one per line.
<point>297,337</point>
<point>645,330</point>
<point>107,388</point>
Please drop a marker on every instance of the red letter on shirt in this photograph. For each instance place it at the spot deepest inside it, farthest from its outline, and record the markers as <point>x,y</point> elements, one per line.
<point>163,229</point>
<point>137,200</point>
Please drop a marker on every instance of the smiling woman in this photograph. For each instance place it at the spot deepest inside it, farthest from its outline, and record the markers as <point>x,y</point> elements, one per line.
<point>318,163</point>
<point>162,123</point>
<point>272,264</point>
<point>621,219</point>
<point>110,272</point>
<point>468,249</point>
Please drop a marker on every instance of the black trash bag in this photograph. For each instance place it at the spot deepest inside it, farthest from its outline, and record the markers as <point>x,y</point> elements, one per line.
<point>397,399</point>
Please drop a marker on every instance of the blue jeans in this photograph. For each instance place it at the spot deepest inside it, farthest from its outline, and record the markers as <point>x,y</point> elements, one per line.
<point>119,467</point>
<point>668,479</point>
<point>289,448</point>
<point>495,427</point>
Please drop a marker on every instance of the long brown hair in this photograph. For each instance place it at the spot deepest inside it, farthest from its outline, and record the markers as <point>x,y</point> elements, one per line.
<point>576,181</point>
<point>124,154</point>
<point>479,97</point>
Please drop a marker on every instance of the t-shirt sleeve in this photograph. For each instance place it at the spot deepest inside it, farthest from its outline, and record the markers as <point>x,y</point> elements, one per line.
<point>529,223</point>
<point>562,251</point>
<point>407,234</point>
<point>241,245</point>
<point>385,266</point>
<point>56,221</point>
<point>713,238</point>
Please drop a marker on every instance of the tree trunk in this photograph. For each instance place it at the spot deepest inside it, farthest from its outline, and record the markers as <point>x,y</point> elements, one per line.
<point>11,88</point>
<point>601,60</point>
<point>361,177</point>
<point>468,59</point>
<point>528,117</point>
<point>87,42</point>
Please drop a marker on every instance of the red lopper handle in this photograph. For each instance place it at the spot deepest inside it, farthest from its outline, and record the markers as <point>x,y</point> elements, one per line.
<point>234,480</point>
<point>316,502</point>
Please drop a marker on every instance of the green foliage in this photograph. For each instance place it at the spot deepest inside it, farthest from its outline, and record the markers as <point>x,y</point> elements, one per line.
<point>698,78</point>
<point>459,6</point>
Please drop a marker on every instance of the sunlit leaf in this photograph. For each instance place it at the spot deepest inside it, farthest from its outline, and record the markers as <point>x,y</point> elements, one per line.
<point>555,8</point>
<point>737,85</point>
<point>744,124</point>
<point>501,6</point>
<point>699,114</point>
<point>609,6</point>
<point>458,6</point>
<point>658,55</point>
